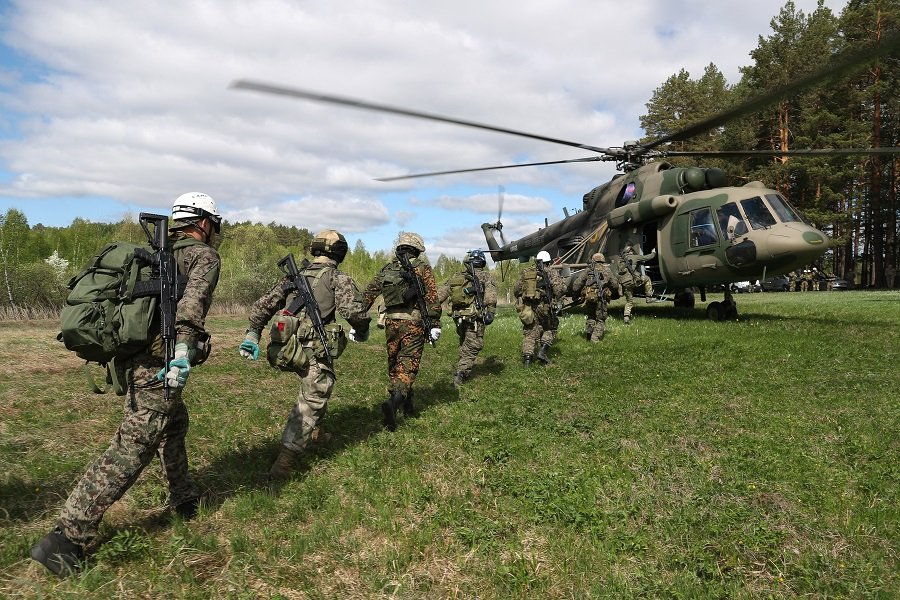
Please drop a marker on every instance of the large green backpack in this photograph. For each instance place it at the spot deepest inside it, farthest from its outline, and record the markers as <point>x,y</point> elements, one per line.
<point>111,310</point>
<point>462,294</point>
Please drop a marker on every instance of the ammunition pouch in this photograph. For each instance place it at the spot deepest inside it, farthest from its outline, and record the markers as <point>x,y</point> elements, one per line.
<point>526,314</point>
<point>293,341</point>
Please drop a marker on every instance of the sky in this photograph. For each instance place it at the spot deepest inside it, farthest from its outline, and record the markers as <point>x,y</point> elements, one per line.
<point>111,108</point>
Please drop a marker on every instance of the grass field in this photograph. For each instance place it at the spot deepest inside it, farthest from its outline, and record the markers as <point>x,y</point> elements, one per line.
<point>678,458</point>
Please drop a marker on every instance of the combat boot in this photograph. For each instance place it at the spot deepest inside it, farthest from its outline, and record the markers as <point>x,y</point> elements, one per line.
<point>408,409</point>
<point>188,509</point>
<point>58,553</point>
<point>319,437</point>
<point>542,354</point>
<point>626,319</point>
<point>284,464</point>
<point>526,360</point>
<point>389,410</point>
<point>458,380</point>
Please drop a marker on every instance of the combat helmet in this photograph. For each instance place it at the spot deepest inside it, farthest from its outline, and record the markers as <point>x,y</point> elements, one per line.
<point>412,240</point>
<point>330,243</point>
<point>598,257</point>
<point>543,256</point>
<point>191,207</point>
<point>476,257</point>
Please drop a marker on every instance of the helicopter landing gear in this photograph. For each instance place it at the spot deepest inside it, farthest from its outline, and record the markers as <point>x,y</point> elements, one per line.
<point>722,311</point>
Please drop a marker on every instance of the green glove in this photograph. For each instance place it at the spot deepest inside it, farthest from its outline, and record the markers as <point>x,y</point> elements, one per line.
<point>179,367</point>
<point>249,348</point>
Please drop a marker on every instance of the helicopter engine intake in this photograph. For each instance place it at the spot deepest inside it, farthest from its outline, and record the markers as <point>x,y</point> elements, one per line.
<point>643,210</point>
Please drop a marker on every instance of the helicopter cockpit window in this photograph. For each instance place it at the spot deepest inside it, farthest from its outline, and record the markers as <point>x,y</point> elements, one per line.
<point>731,210</point>
<point>703,232</point>
<point>784,210</point>
<point>625,194</point>
<point>757,213</point>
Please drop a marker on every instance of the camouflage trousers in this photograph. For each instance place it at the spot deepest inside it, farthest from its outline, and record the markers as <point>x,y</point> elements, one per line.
<point>151,426</point>
<point>471,341</point>
<point>628,292</point>
<point>316,385</point>
<point>542,331</point>
<point>405,343</point>
<point>595,325</point>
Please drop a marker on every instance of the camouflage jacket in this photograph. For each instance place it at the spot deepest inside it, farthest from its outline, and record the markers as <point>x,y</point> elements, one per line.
<point>584,279</point>
<point>409,311</point>
<point>337,293</point>
<point>490,293</point>
<point>557,285</point>
<point>200,264</point>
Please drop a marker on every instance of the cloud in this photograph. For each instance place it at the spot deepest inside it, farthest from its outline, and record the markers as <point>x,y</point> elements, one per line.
<point>347,215</point>
<point>488,204</point>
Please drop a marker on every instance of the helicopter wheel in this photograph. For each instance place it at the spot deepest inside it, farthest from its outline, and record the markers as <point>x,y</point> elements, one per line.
<point>684,301</point>
<point>731,312</point>
<point>715,311</point>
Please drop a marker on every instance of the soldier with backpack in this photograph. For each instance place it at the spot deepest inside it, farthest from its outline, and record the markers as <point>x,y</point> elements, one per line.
<point>156,419</point>
<point>537,292</point>
<point>296,346</point>
<point>412,316</point>
<point>473,302</point>
<point>625,267</point>
<point>594,285</point>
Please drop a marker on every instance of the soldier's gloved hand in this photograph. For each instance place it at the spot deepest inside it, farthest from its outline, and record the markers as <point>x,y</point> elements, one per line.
<point>435,333</point>
<point>358,336</point>
<point>488,318</point>
<point>179,367</point>
<point>249,348</point>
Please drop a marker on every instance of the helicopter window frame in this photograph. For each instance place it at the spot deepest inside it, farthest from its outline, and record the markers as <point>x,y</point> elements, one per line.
<point>783,209</point>
<point>703,230</point>
<point>722,213</point>
<point>758,219</point>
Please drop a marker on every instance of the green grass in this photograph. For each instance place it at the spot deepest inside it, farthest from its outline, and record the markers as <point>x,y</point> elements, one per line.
<point>678,458</point>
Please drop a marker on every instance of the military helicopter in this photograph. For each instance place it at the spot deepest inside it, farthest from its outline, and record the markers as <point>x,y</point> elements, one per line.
<point>695,230</point>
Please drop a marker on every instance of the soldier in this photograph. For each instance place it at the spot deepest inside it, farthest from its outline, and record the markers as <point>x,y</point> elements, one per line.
<point>629,277</point>
<point>403,320</point>
<point>537,291</point>
<point>334,292</point>
<point>472,308</point>
<point>594,285</point>
<point>805,280</point>
<point>792,281</point>
<point>152,424</point>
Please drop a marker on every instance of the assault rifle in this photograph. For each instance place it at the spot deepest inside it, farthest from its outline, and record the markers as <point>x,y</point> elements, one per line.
<point>305,300</point>
<point>479,291</point>
<point>164,282</point>
<point>413,278</point>
<point>599,281</point>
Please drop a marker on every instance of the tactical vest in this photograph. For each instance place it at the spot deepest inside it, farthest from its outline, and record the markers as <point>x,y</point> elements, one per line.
<point>292,338</point>
<point>394,284</point>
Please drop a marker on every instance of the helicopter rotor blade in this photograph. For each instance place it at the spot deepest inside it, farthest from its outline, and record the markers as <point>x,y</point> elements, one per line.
<point>799,152</point>
<point>550,162</point>
<point>267,88</point>
<point>837,67</point>
<point>501,196</point>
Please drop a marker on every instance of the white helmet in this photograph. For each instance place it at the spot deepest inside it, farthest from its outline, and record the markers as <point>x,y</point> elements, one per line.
<point>543,256</point>
<point>196,205</point>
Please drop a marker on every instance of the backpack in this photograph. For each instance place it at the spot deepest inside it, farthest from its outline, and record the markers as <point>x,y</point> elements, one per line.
<point>111,311</point>
<point>395,286</point>
<point>461,295</point>
<point>529,284</point>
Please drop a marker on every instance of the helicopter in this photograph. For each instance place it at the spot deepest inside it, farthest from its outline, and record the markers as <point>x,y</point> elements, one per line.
<point>695,230</point>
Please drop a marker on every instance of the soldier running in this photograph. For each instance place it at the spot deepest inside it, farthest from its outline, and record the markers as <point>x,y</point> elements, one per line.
<point>537,291</point>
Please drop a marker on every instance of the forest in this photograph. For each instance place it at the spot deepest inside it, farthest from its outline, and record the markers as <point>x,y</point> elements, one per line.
<point>852,198</point>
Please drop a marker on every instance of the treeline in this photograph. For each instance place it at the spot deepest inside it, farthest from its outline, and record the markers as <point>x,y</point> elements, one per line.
<point>37,262</point>
<point>852,198</point>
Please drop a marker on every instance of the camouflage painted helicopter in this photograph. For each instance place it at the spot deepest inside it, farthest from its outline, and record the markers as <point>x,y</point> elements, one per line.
<point>695,229</point>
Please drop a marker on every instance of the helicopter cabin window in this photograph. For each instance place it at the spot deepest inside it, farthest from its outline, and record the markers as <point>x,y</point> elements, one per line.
<point>703,232</point>
<point>757,213</point>
<point>724,213</point>
<point>784,210</point>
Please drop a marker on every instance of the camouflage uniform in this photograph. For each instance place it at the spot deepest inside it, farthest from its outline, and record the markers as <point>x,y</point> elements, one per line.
<point>403,329</point>
<point>152,425</point>
<point>469,324</point>
<point>585,286</point>
<point>792,281</point>
<point>629,277</point>
<point>539,323</point>
<point>335,292</point>
<point>805,280</point>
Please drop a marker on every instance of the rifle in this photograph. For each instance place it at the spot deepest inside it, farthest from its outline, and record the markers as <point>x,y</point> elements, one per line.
<point>479,291</point>
<point>413,278</point>
<point>599,281</point>
<point>548,290</point>
<point>164,268</point>
<point>305,300</point>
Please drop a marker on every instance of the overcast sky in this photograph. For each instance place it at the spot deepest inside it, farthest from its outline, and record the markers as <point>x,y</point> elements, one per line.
<point>110,108</point>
